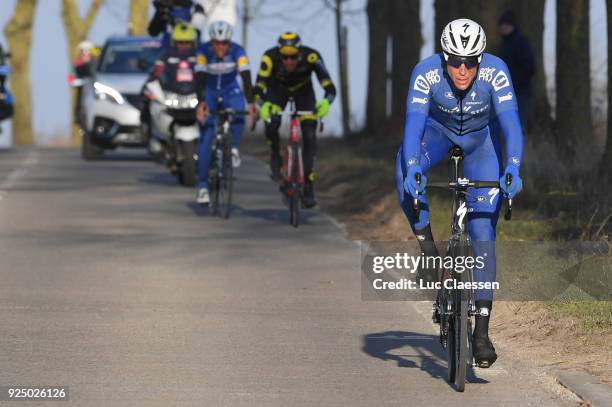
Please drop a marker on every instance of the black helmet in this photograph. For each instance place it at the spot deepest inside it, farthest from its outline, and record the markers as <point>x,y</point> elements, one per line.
<point>289,43</point>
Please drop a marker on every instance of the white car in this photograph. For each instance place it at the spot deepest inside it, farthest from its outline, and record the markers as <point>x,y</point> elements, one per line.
<point>112,98</point>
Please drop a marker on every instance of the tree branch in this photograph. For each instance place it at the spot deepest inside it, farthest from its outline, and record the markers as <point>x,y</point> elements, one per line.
<point>91,15</point>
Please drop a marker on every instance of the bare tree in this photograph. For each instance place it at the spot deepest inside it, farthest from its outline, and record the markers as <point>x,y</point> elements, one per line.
<point>139,17</point>
<point>19,37</point>
<point>605,166</point>
<point>406,48</point>
<point>573,83</point>
<point>77,29</point>
<point>379,33</point>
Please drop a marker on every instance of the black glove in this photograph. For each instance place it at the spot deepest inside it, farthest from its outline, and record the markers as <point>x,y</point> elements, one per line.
<point>162,4</point>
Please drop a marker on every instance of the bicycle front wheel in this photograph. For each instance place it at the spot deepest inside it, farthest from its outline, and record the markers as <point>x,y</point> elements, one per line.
<point>461,340</point>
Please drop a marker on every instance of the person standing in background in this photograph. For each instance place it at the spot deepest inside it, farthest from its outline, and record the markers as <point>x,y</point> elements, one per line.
<point>517,53</point>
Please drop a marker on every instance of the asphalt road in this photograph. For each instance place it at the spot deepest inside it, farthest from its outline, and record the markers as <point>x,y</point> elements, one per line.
<point>113,283</point>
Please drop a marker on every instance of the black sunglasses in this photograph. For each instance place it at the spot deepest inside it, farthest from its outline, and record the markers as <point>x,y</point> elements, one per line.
<point>456,61</point>
<point>291,57</point>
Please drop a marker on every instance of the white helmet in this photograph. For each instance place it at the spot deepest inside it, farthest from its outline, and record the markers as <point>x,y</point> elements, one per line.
<point>220,31</point>
<point>85,46</point>
<point>463,37</point>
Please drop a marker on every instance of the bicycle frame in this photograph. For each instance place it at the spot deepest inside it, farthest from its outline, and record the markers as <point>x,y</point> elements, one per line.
<point>289,161</point>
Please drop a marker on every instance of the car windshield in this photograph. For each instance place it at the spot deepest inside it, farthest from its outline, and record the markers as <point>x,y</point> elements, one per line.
<point>132,57</point>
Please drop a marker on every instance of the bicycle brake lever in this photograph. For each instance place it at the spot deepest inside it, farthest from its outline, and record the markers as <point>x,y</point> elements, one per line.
<point>416,209</point>
<point>508,214</point>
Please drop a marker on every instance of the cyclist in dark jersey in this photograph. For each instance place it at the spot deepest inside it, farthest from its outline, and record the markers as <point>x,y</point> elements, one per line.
<point>286,70</point>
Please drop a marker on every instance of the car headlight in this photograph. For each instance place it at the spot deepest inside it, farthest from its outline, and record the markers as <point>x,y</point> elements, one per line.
<point>104,92</point>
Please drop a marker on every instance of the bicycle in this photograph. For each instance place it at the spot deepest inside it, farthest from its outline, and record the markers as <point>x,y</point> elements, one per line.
<point>221,175</point>
<point>456,307</point>
<point>292,170</point>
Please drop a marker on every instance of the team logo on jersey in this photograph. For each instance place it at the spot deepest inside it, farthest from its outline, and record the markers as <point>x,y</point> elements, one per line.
<point>421,84</point>
<point>505,97</point>
<point>473,95</point>
<point>449,95</point>
<point>432,77</point>
<point>422,101</point>
<point>486,74</point>
<point>500,81</point>
<point>493,193</point>
<point>478,111</point>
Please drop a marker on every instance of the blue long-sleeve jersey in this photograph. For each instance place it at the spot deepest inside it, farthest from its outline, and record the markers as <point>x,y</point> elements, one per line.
<point>221,73</point>
<point>433,95</point>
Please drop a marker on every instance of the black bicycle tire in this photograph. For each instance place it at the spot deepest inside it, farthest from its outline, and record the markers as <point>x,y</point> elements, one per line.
<point>296,192</point>
<point>214,184</point>
<point>462,339</point>
<point>451,358</point>
<point>226,183</point>
<point>462,300</point>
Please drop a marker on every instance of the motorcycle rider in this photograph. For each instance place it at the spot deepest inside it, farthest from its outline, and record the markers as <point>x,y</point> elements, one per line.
<point>168,13</point>
<point>219,62</point>
<point>182,48</point>
<point>6,98</point>
<point>285,71</point>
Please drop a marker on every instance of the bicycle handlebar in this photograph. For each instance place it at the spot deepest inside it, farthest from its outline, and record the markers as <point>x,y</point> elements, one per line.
<point>462,185</point>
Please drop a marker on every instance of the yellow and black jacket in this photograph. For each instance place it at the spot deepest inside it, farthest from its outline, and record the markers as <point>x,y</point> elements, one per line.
<point>272,73</point>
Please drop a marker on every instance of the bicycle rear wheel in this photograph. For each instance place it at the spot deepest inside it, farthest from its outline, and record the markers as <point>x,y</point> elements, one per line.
<point>226,182</point>
<point>451,351</point>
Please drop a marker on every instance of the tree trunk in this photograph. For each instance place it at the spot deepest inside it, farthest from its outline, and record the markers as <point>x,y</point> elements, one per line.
<point>77,29</point>
<point>139,17</point>
<point>605,166</point>
<point>378,23</point>
<point>573,84</point>
<point>530,15</point>
<point>19,37</point>
<point>407,42</point>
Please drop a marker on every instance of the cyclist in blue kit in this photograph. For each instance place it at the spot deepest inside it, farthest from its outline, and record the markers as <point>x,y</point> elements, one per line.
<point>463,97</point>
<point>220,62</point>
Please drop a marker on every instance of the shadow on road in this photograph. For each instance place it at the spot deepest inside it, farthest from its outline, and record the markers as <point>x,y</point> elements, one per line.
<point>164,178</point>
<point>274,215</point>
<point>412,350</point>
<point>123,155</point>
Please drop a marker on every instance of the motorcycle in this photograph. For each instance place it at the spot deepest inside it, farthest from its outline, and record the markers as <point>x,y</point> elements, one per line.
<point>174,132</point>
<point>6,98</point>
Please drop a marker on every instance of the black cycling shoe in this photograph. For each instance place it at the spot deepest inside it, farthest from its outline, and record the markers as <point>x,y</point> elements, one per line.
<point>275,175</point>
<point>484,352</point>
<point>275,168</point>
<point>308,199</point>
